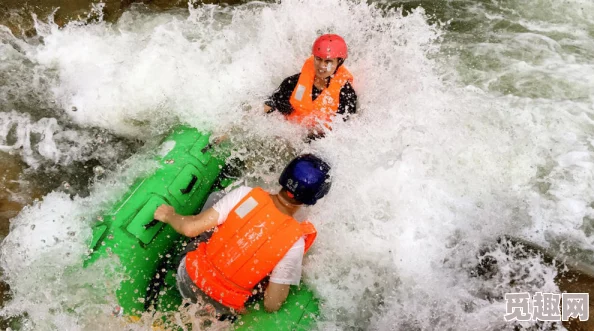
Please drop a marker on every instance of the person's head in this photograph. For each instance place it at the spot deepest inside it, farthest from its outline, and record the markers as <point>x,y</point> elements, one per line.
<point>306,179</point>
<point>329,53</point>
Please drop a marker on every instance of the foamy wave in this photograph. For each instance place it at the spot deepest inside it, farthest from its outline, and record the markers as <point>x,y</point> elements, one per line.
<point>45,141</point>
<point>424,176</point>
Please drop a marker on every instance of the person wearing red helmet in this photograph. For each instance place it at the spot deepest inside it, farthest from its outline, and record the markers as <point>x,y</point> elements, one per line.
<point>322,89</point>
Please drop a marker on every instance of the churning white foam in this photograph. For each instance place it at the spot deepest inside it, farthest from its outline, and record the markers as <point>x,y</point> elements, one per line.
<point>423,176</point>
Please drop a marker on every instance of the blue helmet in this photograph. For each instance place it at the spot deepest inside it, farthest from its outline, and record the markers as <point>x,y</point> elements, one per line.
<point>307,178</point>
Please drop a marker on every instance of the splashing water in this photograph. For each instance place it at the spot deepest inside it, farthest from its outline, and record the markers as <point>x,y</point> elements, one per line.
<point>465,132</point>
<point>45,141</point>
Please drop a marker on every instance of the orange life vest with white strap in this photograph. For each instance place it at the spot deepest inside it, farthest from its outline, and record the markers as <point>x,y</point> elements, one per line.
<point>245,249</point>
<point>310,112</point>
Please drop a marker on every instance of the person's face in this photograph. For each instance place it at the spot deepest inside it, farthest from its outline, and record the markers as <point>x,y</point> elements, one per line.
<point>325,67</point>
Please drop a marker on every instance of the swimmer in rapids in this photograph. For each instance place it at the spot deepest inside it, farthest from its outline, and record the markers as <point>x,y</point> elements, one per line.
<point>321,90</point>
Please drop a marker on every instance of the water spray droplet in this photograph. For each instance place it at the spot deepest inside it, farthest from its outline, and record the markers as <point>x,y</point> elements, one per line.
<point>118,311</point>
<point>98,170</point>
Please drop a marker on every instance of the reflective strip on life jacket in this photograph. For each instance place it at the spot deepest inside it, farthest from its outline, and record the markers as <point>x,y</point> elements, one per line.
<point>245,249</point>
<point>310,112</point>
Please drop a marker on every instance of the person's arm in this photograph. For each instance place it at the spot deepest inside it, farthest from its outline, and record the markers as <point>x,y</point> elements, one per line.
<point>279,100</point>
<point>348,101</point>
<point>275,295</point>
<point>189,226</point>
<point>287,272</point>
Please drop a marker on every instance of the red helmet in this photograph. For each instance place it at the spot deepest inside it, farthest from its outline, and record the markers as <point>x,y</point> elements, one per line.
<point>330,46</point>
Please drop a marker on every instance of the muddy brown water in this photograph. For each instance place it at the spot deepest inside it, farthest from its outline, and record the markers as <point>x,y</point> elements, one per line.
<point>17,14</point>
<point>577,278</point>
<point>16,193</point>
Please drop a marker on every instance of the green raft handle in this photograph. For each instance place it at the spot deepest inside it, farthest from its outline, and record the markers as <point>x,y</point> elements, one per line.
<point>151,224</point>
<point>190,186</point>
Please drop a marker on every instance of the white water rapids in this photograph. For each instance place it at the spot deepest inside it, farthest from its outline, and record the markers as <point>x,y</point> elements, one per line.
<point>462,135</point>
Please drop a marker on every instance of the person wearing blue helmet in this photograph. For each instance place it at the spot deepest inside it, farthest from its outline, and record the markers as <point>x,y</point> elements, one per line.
<point>256,246</point>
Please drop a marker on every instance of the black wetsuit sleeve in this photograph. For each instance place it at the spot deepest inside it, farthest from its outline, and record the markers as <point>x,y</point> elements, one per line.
<point>348,101</point>
<point>279,100</point>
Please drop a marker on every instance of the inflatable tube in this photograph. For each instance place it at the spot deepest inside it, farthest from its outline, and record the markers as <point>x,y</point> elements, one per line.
<point>147,249</point>
<point>184,180</point>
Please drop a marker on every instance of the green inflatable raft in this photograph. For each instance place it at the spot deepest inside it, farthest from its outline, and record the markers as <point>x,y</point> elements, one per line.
<point>148,250</point>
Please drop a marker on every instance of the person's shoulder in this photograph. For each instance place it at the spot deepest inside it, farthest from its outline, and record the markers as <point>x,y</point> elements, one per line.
<point>237,194</point>
<point>348,91</point>
<point>292,79</point>
<point>348,87</point>
<point>230,200</point>
<point>241,190</point>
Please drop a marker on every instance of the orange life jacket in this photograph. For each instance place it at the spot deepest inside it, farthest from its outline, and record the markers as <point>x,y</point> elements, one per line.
<point>245,249</point>
<point>310,112</point>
